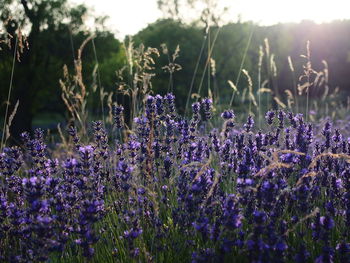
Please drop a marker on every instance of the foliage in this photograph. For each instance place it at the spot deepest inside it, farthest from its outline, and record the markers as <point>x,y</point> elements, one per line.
<point>53,30</point>
<point>163,32</point>
<point>232,51</point>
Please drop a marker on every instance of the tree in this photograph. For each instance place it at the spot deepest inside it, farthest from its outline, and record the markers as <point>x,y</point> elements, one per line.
<point>44,22</point>
<point>208,12</point>
<point>54,32</point>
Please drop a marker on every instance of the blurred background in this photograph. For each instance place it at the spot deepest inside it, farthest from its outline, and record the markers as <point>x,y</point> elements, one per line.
<point>239,53</point>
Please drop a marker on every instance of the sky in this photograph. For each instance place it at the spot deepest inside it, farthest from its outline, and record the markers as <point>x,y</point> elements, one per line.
<point>127,17</point>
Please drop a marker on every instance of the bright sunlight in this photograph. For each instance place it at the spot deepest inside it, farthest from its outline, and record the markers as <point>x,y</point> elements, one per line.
<point>126,19</point>
<point>281,11</point>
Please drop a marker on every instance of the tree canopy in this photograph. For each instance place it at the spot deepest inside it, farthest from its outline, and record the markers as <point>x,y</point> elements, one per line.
<point>194,57</point>
<point>54,32</point>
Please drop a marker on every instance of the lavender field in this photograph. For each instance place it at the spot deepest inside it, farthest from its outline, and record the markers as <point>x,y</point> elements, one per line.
<point>202,131</point>
<point>177,190</point>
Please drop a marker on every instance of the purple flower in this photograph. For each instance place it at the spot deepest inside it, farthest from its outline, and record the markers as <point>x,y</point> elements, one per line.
<point>228,114</point>
<point>207,105</point>
<point>327,222</point>
<point>170,103</point>
<point>118,116</point>
<point>249,124</point>
<point>269,117</point>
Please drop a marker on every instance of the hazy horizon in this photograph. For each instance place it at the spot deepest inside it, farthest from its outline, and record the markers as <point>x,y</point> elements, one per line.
<point>126,19</point>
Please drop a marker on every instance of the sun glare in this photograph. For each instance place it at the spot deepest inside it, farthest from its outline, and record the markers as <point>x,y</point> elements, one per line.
<point>279,11</point>
<point>126,19</point>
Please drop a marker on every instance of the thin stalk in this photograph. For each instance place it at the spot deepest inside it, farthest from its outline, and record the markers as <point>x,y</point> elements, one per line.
<point>307,104</point>
<point>309,69</point>
<point>99,82</point>
<point>294,84</point>
<point>242,62</point>
<point>195,72</point>
<point>9,93</point>
<point>259,95</point>
<point>208,61</point>
<point>267,51</point>
<point>170,85</point>
<point>171,82</point>
<point>209,57</point>
<point>71,42</point>
<point>261,54</point>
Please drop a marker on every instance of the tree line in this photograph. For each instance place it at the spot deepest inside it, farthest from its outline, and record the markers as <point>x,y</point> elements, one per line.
<point>192,57</point>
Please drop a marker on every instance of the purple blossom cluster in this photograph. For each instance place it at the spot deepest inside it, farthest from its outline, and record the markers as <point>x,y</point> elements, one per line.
<point>48,204</point>
<point>171,191</point>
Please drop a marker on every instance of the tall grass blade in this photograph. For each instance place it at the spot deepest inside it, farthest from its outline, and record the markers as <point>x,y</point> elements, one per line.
<point>243,60</point>
<point>9,92</point>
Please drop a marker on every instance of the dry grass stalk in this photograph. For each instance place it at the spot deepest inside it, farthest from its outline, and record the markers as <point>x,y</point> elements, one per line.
<point>233,86</point>
<point>172,66</point>
<point>140,70</point>
<point>332,155</point>
<point>309,174</point>
<point>273,65</point>
<point>212,188</point>
<point>6,122</point>
<point>290,98</point>
<point>250,90</point>
<point>74,93</point>
<point>110,108</point>
<point>264,90</point>
<point>319,157</point>
<point>308,72</point>
<point>295,88</point>
<point>279,102</point>
<point>261,56</point>
<point>8,125</point>
<point>202,170</point>
<point>271,167</point>
<point>312,214</point>
<point>275,154</point>
<point>275,163</point>
<point>63,139</point>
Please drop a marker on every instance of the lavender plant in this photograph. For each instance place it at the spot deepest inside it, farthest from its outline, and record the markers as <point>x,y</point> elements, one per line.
<point>175,190</point>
